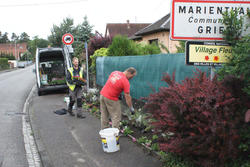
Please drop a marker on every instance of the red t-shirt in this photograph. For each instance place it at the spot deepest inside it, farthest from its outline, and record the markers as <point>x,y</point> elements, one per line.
<point>116,83</point>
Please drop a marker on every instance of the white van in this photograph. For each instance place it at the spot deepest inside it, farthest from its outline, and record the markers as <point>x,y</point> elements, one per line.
<point>51,68</point>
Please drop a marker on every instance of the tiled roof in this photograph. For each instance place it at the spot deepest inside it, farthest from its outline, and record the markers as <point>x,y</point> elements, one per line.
<point>161,25</point>
<point>127,29</point>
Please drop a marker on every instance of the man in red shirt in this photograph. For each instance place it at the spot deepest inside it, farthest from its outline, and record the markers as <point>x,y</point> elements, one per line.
<point>109,102</point>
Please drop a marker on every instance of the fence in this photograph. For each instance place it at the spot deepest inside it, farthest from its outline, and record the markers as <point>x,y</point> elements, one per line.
<point>150,70</point>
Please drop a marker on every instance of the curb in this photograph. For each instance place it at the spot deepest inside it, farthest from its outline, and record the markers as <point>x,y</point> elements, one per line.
<point>32,154</point>
<point>149,149</point>
<point>44,157</point>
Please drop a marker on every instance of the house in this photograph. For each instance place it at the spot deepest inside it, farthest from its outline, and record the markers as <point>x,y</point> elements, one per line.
<point>14,49</point>
<point>127,29</point>
<point>157,32</point>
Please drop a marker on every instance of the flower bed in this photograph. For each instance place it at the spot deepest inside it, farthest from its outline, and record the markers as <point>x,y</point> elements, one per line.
<point>137,127</point>
<point>198,119</point>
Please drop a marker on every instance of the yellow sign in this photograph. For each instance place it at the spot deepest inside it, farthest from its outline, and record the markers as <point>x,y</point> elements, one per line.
<point>201,54</point>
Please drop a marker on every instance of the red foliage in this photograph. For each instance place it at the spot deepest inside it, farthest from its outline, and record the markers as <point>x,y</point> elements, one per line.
<point>98,42</point>
<point>203,116</point>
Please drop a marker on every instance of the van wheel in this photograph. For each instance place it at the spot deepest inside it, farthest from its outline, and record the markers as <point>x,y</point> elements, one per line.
<point>39,93</point>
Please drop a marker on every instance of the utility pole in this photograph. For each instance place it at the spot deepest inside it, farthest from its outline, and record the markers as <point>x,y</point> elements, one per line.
<point>87,65</point>
<point>212,69</point>
<point>15,50</point>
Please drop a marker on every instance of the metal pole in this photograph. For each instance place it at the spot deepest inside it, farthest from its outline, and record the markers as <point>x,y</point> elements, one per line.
<point>212,72</point>
<point>87,65</point>
<point>15,51</point>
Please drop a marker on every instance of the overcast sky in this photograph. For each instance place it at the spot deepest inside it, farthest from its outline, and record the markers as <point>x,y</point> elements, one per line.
<point>36,17</point>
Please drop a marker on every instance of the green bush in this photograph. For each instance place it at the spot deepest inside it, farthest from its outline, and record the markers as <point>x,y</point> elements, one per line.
<point>98,53</point>
<point>173,160</point>
<point>150,49</point>
<point>4,63</point>
<point>8,56</point>
<point>122,46</point>
<point>238,64</point>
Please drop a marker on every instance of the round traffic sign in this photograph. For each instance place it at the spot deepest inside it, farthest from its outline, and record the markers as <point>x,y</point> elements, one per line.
<point>68,39</point>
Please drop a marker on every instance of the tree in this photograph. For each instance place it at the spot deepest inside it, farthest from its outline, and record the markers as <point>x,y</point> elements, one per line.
<point>58,31</point>
<point>238,64</point>
<point>27,56</point>
<point>14,37</point>
<point>4,38</point>
<point>37,43</point>
<point>82,32</point>
<point>24,37</point>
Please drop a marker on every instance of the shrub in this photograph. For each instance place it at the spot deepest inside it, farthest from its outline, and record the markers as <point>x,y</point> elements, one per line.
<point>172,160</point>
<point>150,49</point>
<point>122,46</point>
<point>8,56</point>
<point>97,43</point>
<point>4,63</point>
<point>181,47</point>
<point>98,53</point>
<point>238,64</point>
<point>203,116</point>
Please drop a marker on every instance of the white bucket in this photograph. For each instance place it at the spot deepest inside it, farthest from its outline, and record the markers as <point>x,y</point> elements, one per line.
<point>110,139</point>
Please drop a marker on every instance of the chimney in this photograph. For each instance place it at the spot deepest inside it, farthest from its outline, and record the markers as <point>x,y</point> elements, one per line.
<point>128,26</point>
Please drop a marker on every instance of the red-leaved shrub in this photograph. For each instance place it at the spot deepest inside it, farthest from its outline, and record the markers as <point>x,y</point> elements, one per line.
<point>203,116</point>
<point>98,42</point>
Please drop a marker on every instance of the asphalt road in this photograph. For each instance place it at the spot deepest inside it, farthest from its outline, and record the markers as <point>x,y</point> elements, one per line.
<point>65,141</point>
<point>14,89</point>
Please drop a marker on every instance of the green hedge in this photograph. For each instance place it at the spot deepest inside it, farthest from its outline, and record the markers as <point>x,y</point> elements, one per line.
<point>4,63</point>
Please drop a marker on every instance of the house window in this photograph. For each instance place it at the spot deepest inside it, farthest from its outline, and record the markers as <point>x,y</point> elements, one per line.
<point>153,41</point>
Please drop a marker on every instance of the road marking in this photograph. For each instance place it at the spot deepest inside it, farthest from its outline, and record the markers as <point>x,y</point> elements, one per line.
<point>81,160</point>
<point>32,155</point>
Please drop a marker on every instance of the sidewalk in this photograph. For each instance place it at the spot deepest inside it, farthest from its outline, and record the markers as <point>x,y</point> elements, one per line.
<point>65,141</point>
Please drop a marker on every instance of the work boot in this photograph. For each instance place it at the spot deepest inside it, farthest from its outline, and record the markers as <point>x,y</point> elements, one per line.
<point>70,112</point>
<point>80,116</point>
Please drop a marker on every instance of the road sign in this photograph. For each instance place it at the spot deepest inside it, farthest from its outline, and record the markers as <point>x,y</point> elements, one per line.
<point>207,53</point>
<point>67,39</point>
<point>202,19</point>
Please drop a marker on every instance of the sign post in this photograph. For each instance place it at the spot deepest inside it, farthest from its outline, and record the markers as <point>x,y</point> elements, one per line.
<point>87,64</point>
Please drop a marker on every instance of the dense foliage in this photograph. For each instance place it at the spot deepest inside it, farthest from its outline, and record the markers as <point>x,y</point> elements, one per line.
<point>7,55</point>
<point>24,37</point>
<point>4,63</point>
<point>181,47</point>
<point>98,53</point>
<point>98,42</point>
<point>238,64</point>
<point>203,117</point>
<point>35,43</point>
<point>122,46</point>
<point>81,32</point>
